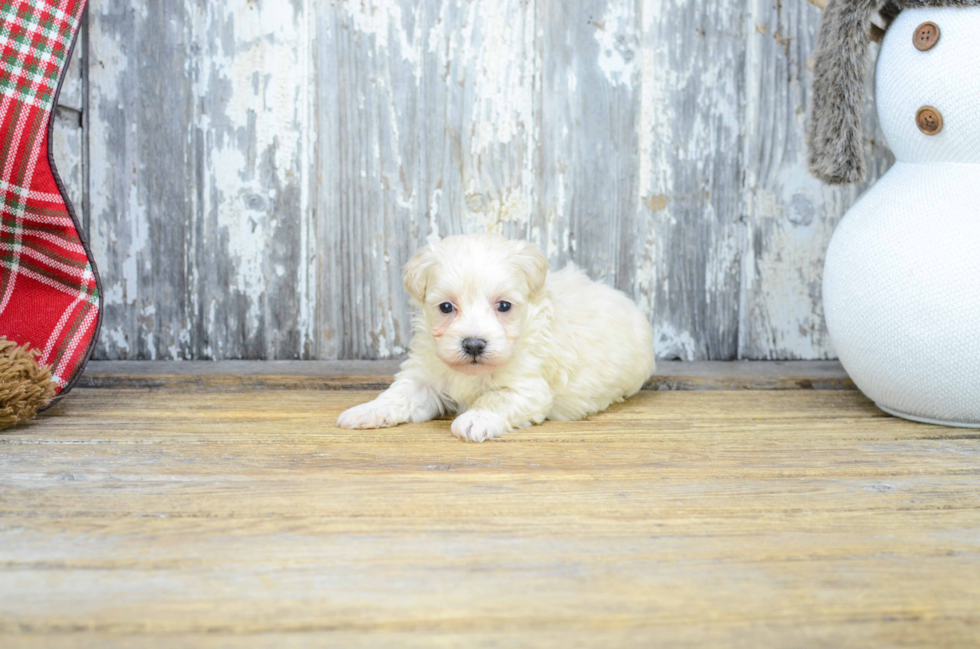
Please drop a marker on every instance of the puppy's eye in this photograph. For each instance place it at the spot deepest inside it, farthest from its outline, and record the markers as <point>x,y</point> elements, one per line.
<point>504,307</point>
<point>446,308</point>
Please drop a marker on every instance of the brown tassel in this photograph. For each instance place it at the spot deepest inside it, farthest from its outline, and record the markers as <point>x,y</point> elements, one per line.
<point>24,387</point>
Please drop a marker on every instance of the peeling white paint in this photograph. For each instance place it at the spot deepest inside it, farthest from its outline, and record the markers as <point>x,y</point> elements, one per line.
<point>674,344</point>
<point>502,83</point>
<point>67,141</point>
<point>117,337</point>
<point>122,245</point>
<point>618,43</point>
<point>139,234</point>
<point>265,79</point>
<point>490,215</point>
<point>380,20</point>
<point>113,295</point>
<point>308,270</point>
<point>447,120</point>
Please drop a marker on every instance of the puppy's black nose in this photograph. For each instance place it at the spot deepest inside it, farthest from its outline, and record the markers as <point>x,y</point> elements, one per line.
<point>474,346</point>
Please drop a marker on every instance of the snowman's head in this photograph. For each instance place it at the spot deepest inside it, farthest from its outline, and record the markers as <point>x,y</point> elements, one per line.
<point>928,90</point>
<point>927,84</point>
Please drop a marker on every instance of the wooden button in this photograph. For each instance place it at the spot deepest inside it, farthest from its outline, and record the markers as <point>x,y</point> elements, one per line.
<point>929,120</point>
<point>926,36</point>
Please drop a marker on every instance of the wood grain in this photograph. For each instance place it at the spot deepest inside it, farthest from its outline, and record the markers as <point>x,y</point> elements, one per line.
<point>365,375</point>
<point>587,118</point>
<point>199,132</point>
<point>690,175</point>
<point>689,519</point>
<point>260,173</point>
<point>425,119</point>
<point>789,216</point>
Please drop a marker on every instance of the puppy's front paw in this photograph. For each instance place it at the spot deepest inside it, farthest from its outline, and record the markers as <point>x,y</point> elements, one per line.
<point>479,425</point>
<point>368,415</point>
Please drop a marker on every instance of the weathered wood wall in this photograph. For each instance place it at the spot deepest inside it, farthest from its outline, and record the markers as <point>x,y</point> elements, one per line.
<point>254,173</point>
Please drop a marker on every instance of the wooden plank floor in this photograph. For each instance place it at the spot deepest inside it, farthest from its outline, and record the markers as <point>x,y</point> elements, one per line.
<point>242,517</point>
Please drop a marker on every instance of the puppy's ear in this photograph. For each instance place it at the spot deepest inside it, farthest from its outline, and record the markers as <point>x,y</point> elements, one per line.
<point>415,275</point>
<point>533,265</point>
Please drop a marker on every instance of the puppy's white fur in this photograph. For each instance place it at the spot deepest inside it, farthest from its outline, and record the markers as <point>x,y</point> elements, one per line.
<point>566,348</point>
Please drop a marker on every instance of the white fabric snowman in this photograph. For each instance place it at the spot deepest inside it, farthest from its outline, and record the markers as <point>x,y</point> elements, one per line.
<point>902,275</point>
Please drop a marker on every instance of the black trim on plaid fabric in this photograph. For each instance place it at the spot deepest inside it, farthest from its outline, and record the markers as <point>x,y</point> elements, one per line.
<point>80,369</point>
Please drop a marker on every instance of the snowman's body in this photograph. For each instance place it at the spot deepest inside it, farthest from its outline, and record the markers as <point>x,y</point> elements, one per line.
<point>902,276</point>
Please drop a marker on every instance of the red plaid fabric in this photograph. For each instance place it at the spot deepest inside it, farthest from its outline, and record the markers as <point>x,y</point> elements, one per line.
<point>49,293</point>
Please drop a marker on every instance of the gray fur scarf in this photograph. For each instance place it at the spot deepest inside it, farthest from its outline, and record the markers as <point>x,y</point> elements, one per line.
<point>836,155</point>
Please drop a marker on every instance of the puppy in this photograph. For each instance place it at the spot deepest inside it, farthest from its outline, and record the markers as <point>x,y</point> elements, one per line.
<point>504,344</point>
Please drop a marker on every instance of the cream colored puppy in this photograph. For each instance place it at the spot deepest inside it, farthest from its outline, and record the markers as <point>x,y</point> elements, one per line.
<point>504,344</point>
